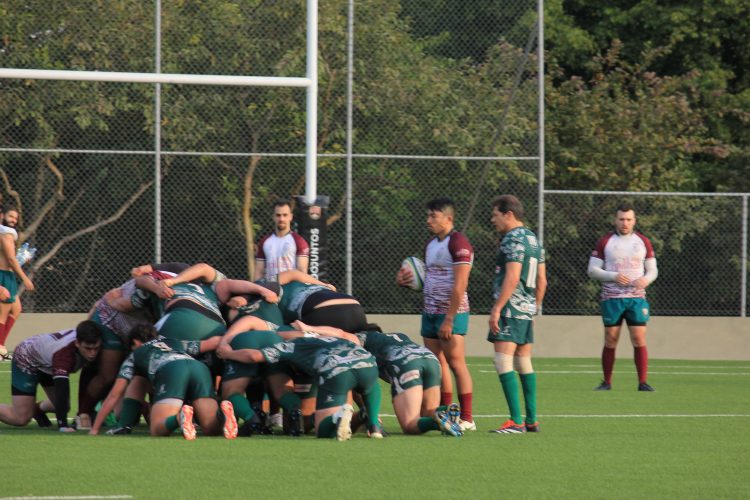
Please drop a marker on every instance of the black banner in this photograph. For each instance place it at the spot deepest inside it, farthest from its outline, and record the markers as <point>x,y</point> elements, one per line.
<point>311,225</point>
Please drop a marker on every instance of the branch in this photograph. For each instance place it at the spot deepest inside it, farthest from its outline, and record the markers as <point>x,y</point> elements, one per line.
<point>11,192</point>
<point>39,263</point>
<point>32,228</point>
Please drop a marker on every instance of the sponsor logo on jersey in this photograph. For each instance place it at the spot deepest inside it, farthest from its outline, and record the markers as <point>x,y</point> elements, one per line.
<point>162,389</point>
<point>329,399</point>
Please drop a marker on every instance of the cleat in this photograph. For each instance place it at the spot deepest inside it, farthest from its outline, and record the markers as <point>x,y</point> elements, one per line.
<point>376,431</point>
<point>83,422</point>
<point>446,425</point>
<point>644,387</point>
<point>42,420</point>
<point>230,421</point>
<point>344,424</point>
<point>467,425</point>
<point>533,427</point>
<point>296,423</point>
<point>119,431</point>
<point>510,427</point>
<point>604,386</point>
<point>5,355</point>
<point>276,420</point>
<point>454,413</point>
<point>186,422</point>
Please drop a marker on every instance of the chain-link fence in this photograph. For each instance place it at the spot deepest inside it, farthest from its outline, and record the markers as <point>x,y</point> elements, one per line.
<point>442,103</point>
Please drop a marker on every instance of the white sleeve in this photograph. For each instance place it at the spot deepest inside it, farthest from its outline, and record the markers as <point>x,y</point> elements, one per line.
<point>651,271</point>
<point>597,272</point>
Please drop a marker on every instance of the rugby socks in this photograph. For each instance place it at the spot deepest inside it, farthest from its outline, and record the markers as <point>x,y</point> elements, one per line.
<point>608,363</point>
<point>372,405</point>
<point>528,383</point>
<point>509,383</point>
<point>242,408</point>
<point>427,424</point>
<point>172,423</point>
<point>130,413</point>
<point>290,401</point>
<point>464,400</point>
<point>640,354</point>
<point>5,329</point>
<point>446,398</point>
<point>327,428</point>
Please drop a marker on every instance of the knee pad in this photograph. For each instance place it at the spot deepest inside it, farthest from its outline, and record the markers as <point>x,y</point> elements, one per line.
<point>523,364</point>
<point>503,363</point>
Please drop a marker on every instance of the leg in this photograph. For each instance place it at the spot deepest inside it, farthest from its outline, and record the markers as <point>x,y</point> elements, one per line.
<point>522,363</point>
<point>19,412</point>
<point>207,410</point>
<point>408,406</point>
<point>455,354</point>
<point>446,382</point>
<point>504,352</point>
<point>640,352</point>
<point>611,337</point>
<point>164,417</point>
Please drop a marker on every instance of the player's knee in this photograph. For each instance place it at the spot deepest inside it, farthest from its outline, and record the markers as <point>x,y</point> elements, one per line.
<point>523,365</point>
<point>503,363</point>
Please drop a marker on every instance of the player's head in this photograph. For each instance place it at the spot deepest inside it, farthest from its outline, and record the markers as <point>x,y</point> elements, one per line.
<point>282,215</point>
<point>9,215</point>
<point>440,214</point>
<point>507,212</point>
<point>88,339</point>
<point>625,218</point>
<point>142,333</point>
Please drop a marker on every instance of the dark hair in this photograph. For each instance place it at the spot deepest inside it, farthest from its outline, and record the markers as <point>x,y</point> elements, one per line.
<point>625,206</point>
<point>443,204</point>
<point>8,206</point>
<point>88,332</point>
<point>280,202</point>
<point>143,332</point>
<point>509,203</point>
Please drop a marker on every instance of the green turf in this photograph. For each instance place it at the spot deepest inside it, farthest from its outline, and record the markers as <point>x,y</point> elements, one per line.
<point>687,440</point>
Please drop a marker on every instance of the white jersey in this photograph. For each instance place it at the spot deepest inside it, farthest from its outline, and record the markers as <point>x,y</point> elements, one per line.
<point>280,252</point>
<point>440,257</point>
<point>625,254</point>
<point>52,353</point>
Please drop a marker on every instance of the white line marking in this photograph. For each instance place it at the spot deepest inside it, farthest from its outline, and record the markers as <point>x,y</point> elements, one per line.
<point>650,372</point>
<point>655,365</point>
<point>84,497</point>
<point>720,415</point>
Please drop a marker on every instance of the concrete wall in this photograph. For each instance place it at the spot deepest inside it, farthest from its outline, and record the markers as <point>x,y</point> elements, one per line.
<point>679,337</point>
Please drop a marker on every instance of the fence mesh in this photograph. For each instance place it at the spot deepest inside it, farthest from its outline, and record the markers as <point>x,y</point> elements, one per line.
<point>444,103</point>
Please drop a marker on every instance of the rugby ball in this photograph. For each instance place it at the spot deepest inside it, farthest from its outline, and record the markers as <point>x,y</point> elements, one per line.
<point>416,266</point>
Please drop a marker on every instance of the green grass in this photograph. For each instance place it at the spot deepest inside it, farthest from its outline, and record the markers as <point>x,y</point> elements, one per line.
<point>687,440</point>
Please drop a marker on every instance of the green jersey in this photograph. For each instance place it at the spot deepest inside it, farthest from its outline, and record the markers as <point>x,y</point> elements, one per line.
<point>392,349</point>
<point>197,296</point>
<point>519,245</point>
<point>293,298</point>
<point>323,357</point>
<point>155,354</point>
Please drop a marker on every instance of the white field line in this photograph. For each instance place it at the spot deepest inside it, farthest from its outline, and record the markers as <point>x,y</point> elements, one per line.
<point>668,415</point>
<point>655,365</point>
<point>81,497</point>
<point>650,372</point>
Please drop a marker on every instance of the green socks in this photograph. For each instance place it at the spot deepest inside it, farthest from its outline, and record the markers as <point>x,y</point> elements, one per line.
<point>528,382</point>
<point>372,405</point>
<point>327,428</point>
<point>510,388</point>
<point>172,423</point>
<point>242,408</point>
<point>130,413</point>
<point>426,424</point>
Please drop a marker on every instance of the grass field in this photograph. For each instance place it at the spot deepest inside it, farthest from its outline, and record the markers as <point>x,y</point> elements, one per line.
<point>689,439</point>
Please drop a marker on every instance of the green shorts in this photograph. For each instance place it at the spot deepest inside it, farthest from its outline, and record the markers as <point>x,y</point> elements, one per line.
<point>422,371</point>
<point>518,331</point>
<point>110,340</point>
<point>9,281</point>
<point>24,382</point>
<point>333,392</point>
<point>185,324</point>
<point>634,310</point>
<point>431,324</point>
<point>185,379</point>
<point>248,340</point>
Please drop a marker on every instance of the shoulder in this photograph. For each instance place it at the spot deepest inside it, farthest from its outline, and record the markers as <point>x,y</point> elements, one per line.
<point>299,240</point>
<point>601,243</point>
<point>459,245</point>
<point>647,244</point>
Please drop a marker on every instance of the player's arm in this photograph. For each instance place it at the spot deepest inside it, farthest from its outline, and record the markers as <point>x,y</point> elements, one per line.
<point>149,284</point>
<point>110,402</point>
<point>328,331</point>
<point>226,289</point>
<point>286,277</point>
<point>9,250</point>
<point>260,269</point>
<point>248,356</point>
<point>510,282</point>
<point>541,283</point>
<point>303,261</point>
<point>61,401</point>
<point>200,271</point>
<point>116,300</point>
<point>596,271</point>
<point>460,283</point>
<point>651,274</point>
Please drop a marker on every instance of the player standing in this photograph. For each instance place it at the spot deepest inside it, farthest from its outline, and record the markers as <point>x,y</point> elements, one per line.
<point>625,263</point>
<point>283,249</point>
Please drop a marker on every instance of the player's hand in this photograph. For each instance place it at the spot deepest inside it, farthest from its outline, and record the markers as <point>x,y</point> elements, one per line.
<point>271,297</point>
<point>67,429</point>
<point>446,329</point>
<point>169,282</point>
<point>621,279</point>
<point>223,351</point>
<point>640,283</point>
<point>4,293</point>
<point>164,292</point>
<point>237,302</point>
<point>28,284</point>
<point>141,270</point>
<point>93,432</point>
<point>404,277</point>
<point>494,321</point>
